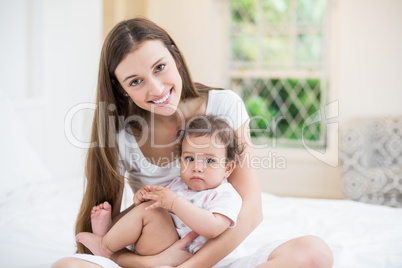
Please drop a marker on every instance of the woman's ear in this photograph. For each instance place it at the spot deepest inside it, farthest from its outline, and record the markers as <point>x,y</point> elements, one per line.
<point>230,166</point>
<point>119,88</point>
<point>124,92</point>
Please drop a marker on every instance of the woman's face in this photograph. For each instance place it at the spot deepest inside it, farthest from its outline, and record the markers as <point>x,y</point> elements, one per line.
<point>150,77</point>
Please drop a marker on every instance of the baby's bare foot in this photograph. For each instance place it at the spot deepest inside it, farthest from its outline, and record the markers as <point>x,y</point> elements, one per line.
<point>101,218</point>
<point>94,244</point>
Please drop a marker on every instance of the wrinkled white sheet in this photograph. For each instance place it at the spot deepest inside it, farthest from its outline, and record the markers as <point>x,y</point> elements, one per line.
<point>37,226</point>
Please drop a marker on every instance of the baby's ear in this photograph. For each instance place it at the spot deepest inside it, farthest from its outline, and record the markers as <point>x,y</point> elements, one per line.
<point>230,166</point>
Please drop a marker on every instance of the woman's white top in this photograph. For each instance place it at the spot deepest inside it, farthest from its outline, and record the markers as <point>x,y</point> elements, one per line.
<point>140,172</point>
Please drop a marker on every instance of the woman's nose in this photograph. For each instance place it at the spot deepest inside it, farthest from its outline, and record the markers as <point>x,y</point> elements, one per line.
<point>155,87</point>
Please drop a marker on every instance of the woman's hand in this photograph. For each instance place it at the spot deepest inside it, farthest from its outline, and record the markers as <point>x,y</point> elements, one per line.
<point>163,197</point>
<point>177,254</point>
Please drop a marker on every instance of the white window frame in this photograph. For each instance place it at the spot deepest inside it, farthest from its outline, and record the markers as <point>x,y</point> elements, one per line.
<point>290,72</point>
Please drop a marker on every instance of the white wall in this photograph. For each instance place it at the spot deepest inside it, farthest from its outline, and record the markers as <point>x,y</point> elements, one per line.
<point>59,41</point>
<point>370,58</point>
<point>72,40</point>
<point>13,49</point>
<point>199,27</point>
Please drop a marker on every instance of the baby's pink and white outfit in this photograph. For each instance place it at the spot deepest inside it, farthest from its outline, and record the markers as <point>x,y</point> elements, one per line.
<point>223,199</point>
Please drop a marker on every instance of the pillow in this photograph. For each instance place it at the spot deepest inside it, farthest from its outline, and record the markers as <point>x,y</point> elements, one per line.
<point>19,164</point>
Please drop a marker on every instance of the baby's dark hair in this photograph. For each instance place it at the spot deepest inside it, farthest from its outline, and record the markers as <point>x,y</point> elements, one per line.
<point>216,127</point>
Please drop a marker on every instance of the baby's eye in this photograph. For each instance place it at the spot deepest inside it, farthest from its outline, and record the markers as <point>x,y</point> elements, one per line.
<point>160,67</point>
<point>209,160</point>
<point>135,82</point>
<point>189,158</point>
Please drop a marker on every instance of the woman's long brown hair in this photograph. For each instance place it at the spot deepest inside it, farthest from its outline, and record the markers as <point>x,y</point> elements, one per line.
<point>104,182</point>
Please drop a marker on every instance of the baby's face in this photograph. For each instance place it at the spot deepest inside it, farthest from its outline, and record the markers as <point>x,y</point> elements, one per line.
<point>203,163</point>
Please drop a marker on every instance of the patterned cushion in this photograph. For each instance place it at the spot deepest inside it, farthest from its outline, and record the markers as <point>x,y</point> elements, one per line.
<point>371,154</point>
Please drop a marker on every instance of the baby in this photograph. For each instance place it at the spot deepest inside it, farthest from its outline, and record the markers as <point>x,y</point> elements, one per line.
<point>200,200</point>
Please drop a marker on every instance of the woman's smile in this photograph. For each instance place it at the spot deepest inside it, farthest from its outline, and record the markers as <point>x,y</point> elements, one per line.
<point>164,99</point>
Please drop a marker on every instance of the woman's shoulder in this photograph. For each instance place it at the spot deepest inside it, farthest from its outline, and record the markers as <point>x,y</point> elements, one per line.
<point>129,133</point>
<point>228,104</point>
<point>223,93</point>
<point>126,140</point>
<point>223,98</point>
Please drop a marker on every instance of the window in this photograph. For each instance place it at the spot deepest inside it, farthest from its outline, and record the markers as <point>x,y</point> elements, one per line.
<point>278,66</point>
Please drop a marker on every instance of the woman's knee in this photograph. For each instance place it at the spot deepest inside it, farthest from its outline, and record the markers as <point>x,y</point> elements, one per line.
<point>313,252</point>
<point>306,251</point>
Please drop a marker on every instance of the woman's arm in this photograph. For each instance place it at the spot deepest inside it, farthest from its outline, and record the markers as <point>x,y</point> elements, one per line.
<point>245,181</point>
<point>193,216</point>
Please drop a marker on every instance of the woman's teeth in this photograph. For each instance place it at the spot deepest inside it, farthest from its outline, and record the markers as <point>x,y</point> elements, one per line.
<point>163,99</point>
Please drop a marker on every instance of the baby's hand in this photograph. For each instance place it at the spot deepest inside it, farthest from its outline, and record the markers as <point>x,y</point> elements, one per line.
<point>139,196</point>
<point>163,197</point>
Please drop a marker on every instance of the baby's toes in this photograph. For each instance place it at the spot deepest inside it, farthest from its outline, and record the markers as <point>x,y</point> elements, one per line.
<point>95,209</point>
<point>107,206</point>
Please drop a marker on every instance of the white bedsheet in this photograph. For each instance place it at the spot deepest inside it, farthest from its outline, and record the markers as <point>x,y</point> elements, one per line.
<point>37,226</point>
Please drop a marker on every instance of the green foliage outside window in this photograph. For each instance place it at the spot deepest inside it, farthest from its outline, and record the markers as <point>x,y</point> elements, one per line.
<point>265,105</point>
<point>285,36</point>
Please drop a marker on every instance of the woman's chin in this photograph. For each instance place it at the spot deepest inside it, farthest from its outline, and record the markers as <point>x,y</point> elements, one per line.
<point>167,110</point>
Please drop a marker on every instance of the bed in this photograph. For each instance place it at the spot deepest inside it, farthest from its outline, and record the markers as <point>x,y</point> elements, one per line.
<point>38,211</point>
<point>37,226</point>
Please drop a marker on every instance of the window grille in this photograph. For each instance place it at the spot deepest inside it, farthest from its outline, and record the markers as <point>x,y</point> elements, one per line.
<point>277,64</point>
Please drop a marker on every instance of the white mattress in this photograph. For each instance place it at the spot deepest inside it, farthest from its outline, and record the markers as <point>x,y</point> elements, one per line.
<point>37,226</point>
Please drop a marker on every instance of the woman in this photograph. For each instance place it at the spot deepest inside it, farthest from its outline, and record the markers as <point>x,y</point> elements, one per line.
<point>145,94</point>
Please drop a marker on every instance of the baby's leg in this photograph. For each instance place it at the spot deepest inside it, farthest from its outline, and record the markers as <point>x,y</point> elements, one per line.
<point>152,232</point>
<point>94,243</point>
<point>158,232</point>
<point>124,232</point>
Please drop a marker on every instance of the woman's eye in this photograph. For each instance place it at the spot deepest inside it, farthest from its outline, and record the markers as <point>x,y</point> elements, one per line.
<point>189,158</point>
<point>160,67</point>
<point>209,161</point>
<point>135,82</point>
